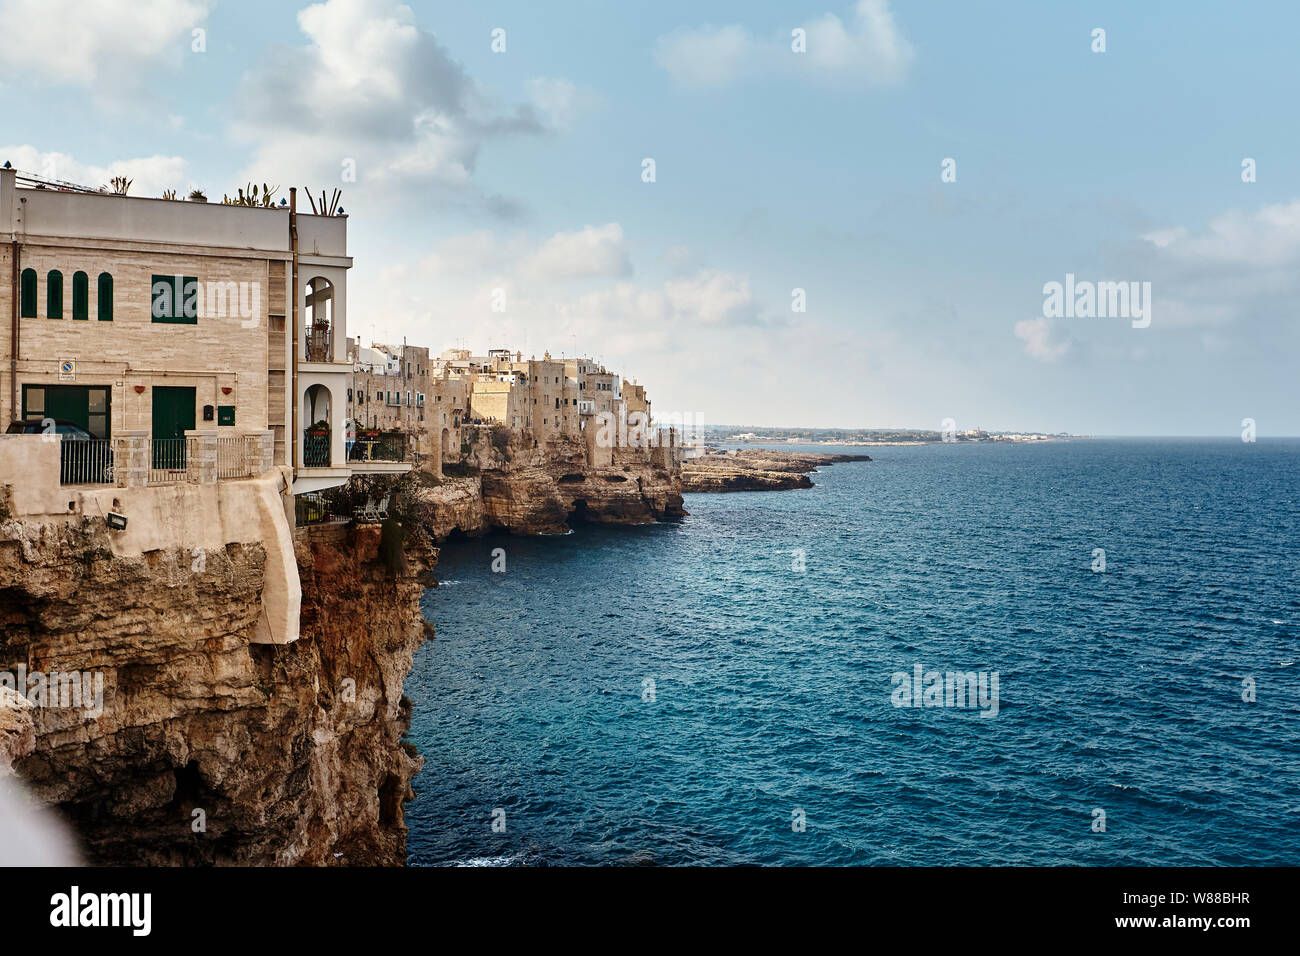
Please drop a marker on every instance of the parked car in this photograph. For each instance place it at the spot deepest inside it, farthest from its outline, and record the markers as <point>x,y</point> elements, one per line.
<point>41,426</point>
<point>89,463</point>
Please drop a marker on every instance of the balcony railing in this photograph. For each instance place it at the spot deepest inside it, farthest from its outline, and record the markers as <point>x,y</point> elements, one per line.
<point>315,450</point>
<point>232,457</point>
<point>318,345</point>
<point>316,508</point>
<point>85,461</point>
<point>387,447</point>
<point>195,458</point>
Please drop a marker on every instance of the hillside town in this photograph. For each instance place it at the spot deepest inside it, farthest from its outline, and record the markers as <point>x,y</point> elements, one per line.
<point>429,401</point>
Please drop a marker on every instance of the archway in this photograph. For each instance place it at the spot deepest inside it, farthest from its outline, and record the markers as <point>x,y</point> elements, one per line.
<point>447,455</point>
<point>319,319</point>
<point>317,436</point>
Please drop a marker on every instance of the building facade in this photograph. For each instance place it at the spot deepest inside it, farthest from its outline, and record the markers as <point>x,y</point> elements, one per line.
<point>129,314</point>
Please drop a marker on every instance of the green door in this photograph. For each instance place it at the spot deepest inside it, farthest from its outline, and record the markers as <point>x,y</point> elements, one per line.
<point>173,415</point>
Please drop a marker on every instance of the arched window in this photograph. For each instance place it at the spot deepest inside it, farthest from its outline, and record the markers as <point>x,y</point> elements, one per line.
<point>80,295</point>
<point>105,297</point>
<point>320,316</point>
<point>29,293</point>
<point>54,295</point>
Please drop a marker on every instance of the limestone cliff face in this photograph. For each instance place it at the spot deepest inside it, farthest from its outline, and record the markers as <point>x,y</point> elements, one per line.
<point>527,489</point>
<point>292,753</point>
<point>452,504</point>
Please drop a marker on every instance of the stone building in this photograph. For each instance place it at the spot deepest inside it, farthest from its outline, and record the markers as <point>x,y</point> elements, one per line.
<point>635,400</point>
<point>448,407</point>
<point>501,396</point>
<point>130,314</point>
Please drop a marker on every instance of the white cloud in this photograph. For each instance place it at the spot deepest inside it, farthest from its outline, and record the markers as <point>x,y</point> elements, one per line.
<point>707,56</point>
<point>564,292</point>
<point>104,45</point>
<point>150,174</point>
<point>1160,238</point>
<point>373,88</point>
<point>559,101</point>
<point>589,253</point>
<point>870,48</point>
<point>1037,336</point>
<point>1268,236</point>
<point>712,297</point>
<point>1242,266</point>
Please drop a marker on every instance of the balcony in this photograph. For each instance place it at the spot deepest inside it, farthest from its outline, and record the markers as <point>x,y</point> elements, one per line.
<point>133,459</point>
<point>389,446</point>
<point>381,453</point>
<point>319,344</point>
<point>315,449</point>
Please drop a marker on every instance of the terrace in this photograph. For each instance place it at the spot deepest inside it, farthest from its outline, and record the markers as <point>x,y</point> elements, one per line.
<point>133,459</point>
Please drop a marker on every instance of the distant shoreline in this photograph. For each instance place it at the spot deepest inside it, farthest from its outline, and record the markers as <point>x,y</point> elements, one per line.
<point>896,443</point>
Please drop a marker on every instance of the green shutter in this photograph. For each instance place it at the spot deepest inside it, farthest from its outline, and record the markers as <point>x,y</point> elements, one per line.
<point>54,294</point>
<point>162,296</point>
<point>189,300</point>
<point>174,300</point>
<point>105,303</point>
<point>80,295</point>
<point>29,294</point>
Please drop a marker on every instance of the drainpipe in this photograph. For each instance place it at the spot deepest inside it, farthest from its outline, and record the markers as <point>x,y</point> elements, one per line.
<point>14,412</point>
<point>292,446</point>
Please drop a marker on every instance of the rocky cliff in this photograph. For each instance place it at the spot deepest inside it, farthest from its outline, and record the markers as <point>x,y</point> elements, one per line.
<point>207,748</point>
<point>523,489</point>
<point>756,469</point>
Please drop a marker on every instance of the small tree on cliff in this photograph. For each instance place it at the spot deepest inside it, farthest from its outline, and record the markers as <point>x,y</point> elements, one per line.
<point>501,440</point>
<point>391,540</point>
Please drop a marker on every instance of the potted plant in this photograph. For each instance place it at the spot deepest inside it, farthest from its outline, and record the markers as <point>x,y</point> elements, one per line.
<point>320,429</point>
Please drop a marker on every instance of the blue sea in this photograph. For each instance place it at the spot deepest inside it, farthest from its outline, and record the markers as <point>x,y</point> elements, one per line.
<point>722,690</point>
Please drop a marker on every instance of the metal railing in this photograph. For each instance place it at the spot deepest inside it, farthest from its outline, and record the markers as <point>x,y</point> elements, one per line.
<point>390,446</point>
<point>318,345</point>
<point>315,450</point>
<point>315,508</point>
<point>232,457</point>
<point>85,461</point>
<point>169,460</point>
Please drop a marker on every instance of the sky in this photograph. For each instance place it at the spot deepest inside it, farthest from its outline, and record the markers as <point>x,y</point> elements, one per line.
<point>914,177</point>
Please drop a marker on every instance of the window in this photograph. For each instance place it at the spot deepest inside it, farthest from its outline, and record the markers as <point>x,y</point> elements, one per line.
<point>54,294</point>
<point>105,304</point>
<point>80,295</point>
<point>175,300</point>
<point>29,294</point>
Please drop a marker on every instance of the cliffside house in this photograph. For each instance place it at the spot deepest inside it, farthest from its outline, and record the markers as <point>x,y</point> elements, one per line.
<point>174,322</point>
